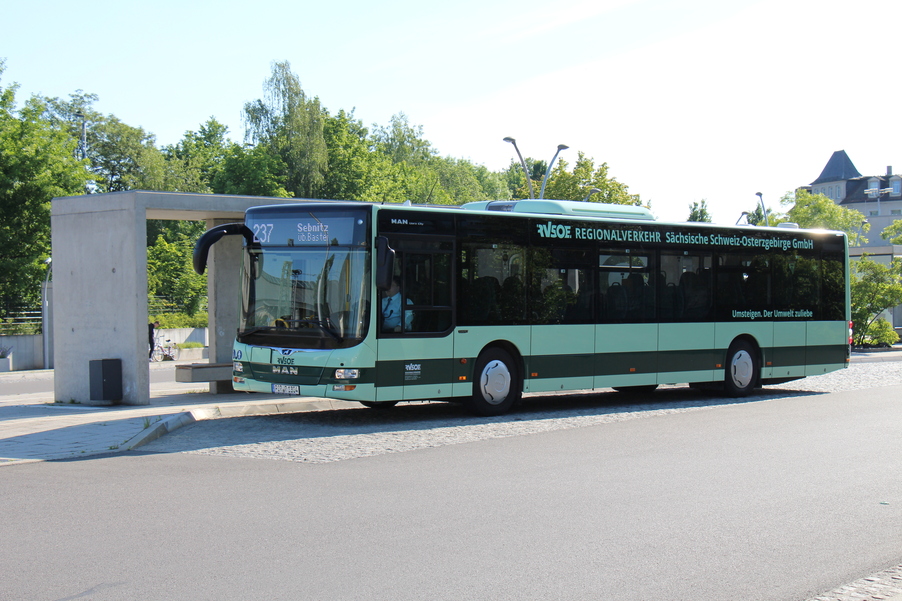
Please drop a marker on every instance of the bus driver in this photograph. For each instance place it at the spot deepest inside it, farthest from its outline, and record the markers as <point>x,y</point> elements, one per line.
<point>391,309</point>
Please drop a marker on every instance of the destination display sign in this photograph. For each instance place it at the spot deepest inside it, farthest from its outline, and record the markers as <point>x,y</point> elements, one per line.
<point>308,228</point>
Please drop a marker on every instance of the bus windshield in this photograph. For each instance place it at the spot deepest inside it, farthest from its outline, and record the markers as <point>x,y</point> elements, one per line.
<point>313,293</point>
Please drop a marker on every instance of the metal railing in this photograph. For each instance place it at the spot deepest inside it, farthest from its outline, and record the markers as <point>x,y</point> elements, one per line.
<point>20,320</point>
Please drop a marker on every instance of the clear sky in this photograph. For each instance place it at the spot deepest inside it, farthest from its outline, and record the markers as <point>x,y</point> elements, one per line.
<point>684,99</point>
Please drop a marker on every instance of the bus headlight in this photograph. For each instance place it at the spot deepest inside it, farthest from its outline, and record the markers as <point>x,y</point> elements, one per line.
<point>347,374</point>
<point>237,366</point>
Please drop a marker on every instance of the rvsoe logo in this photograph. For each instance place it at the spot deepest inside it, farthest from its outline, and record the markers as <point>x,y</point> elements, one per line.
<point>551,230</point>
<point>412,372</point>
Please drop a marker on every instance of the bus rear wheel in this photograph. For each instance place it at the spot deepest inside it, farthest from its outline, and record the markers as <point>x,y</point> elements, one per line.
<point>496,386</point>
<point>741,369</point>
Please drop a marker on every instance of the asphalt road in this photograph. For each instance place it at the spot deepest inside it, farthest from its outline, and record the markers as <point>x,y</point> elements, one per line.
<point>780,498</point>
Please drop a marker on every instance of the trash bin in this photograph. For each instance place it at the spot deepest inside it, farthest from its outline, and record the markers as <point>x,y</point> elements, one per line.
<point>106,380</point>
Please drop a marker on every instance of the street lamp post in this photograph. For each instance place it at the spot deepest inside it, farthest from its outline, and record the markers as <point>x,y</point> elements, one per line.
<point>532,193</point>
<point>83,139</point>
<point>877,193</point>
<point>46,315</point>
<point>591,192</point>
<point>560,147</point>
<point>763,210</point>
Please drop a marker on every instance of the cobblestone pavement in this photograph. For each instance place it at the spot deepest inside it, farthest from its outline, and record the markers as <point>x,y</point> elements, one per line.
<point>317,437</point>
<point>882,586</point>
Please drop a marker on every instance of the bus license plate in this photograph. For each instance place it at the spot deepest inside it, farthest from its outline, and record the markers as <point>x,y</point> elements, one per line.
<point>286,389</point>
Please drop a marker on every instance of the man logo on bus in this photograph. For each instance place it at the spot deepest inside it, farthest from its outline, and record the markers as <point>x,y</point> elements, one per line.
<point>550,230</point>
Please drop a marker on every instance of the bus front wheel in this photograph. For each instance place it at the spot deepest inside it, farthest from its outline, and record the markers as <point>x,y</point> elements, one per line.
<point>741,369</point>
<point>497,385</point>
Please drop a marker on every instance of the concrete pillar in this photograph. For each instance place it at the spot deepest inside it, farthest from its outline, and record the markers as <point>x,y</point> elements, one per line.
<point>223,299</point>
<point>100,305</point>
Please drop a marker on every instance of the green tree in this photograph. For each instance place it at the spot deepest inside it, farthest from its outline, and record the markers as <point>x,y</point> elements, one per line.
<point>37,163</point>
<point>820,212</point>
<point>251,172</point>
<point>577,184</point>
<point>875,287</point>
<point>291,126</point>
<point>402,142</point>
<point>189,166</point>
<point>124,157</point>
<point>357,171</point>
<point>893,232</point>
<point>698,212</point>
<point>459,181</point>
<point>494,185</point>
<point>756,216</point>
<point>202,152</point>
<point>169,274</point>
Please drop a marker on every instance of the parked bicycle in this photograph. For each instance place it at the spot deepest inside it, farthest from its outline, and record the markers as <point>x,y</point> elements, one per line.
<point>164,351</point>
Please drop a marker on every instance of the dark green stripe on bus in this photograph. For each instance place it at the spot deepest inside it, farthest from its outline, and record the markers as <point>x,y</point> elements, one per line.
<point>450,370</point>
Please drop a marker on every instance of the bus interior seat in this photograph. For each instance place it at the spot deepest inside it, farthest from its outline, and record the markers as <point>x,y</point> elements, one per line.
<point>483,299</point>
<point>617,302</point>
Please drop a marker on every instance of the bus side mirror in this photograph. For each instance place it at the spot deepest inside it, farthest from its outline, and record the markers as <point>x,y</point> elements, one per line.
<point>212,236</point>
<point>385,263</point>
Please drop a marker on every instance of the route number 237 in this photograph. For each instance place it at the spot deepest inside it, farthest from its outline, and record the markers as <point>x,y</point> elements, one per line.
<point>262,232</point>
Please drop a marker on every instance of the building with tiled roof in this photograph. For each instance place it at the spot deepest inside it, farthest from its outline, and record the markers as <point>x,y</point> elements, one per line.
<point>877,197</point>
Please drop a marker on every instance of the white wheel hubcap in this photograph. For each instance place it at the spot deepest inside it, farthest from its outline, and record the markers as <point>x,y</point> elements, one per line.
<point>496,382</point>
<point>741,369</point>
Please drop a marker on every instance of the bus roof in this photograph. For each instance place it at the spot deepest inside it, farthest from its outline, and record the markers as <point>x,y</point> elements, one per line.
<point>563,207</point>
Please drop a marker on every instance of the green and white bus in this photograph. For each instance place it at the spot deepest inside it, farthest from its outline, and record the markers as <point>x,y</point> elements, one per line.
<point>506,297</point>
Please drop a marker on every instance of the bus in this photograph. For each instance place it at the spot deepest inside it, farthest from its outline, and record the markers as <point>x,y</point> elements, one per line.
<point>499,298</point>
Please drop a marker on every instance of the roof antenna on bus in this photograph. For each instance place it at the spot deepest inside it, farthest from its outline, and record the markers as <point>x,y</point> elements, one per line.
<point>560,147</point>
<point>532,193</point>
<point>763,210</point>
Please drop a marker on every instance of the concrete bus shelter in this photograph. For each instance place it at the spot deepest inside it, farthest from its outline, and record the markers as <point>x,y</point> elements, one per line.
<point>99,246</point>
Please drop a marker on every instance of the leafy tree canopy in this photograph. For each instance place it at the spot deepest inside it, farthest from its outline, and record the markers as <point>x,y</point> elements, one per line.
<point>820,212</point>
<point>875,287</point>
<point>698,211</point>
<point>893,232</point>
<point>291,126</point>
<point>402,142</point>
<point>168,277</point>
<point>585,180</point>
<point>37,163</point>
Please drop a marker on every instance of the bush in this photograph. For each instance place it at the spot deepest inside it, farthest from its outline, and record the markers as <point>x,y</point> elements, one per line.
<point>184,345</point>
<point>880,333</point>
<point>180,320</point>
